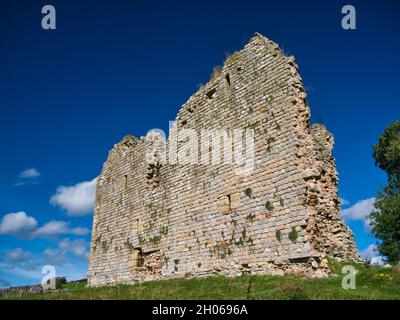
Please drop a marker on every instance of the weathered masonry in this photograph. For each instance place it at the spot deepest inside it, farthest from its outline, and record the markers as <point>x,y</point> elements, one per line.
<point>155,220</point>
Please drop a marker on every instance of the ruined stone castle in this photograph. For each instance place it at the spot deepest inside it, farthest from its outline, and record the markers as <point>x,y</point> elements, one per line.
<point>157,217</point>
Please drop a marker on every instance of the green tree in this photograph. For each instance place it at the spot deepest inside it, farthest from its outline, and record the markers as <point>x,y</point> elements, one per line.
<point>385,221</point>
<point>387,156</point>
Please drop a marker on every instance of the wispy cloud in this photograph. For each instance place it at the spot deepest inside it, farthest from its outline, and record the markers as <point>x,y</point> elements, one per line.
<point>77,200</point>
<point>360,211</point>
<point>371,253</point>
<point>18,255</point>
<point>59,256</point>
<point>29,173</point>
<point>17,223</point>
<point>4,283</point>
<point>28,176</point>
<point>21,225</point>
<point>54,257</point>
<point>19,259</point>
<point>58,227</point>
<point>21,271</point>
<point>77,247</point>
<point>18,263</point>
<point>344,202</point>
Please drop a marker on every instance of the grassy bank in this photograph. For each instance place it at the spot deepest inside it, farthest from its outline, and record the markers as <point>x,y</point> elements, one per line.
<point>371,283</point>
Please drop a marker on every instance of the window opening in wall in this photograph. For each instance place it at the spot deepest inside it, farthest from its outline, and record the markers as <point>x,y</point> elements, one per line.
<point>124,182</point>
<point>228,80</point>
<point>140,258</point>
<point>210,94</point>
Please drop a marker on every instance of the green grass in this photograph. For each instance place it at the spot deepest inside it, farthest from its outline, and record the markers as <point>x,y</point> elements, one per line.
<point>371,283</point>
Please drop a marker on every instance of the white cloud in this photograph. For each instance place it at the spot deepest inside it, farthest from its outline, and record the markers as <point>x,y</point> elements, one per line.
<point>26,268</point>
<point>77,200</point>
<point>19,259</point>
<point>77,247</point>
<point>378,261</point>
<point>59,256</point>
<point>371,253</point>
<point>21,225</point>
<point>18,255</point>
<point>51,228</point>
<point>16,270</point>
<point>344,202</point>
<point>17,223</point>
<point>53,257</point>
<point>359,211</point>
<point>79,231</point>
<point>58,227</point>
<point>29,174</point>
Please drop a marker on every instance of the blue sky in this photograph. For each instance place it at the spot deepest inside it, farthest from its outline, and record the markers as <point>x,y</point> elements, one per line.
<point>113,68</point>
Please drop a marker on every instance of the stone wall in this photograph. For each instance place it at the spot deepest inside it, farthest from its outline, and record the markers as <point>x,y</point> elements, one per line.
<point>159,216</point>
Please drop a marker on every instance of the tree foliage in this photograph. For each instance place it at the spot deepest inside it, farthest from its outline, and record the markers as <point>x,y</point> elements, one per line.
<point>385,221</point>
<point>387,153</point>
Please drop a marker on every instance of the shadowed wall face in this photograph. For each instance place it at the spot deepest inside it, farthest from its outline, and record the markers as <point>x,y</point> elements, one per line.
<point>157,216</point>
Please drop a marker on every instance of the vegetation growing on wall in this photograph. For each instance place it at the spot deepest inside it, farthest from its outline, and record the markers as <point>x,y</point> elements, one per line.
<point>278,235</point>
<point>293,235</point>
<point>269,206</point>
